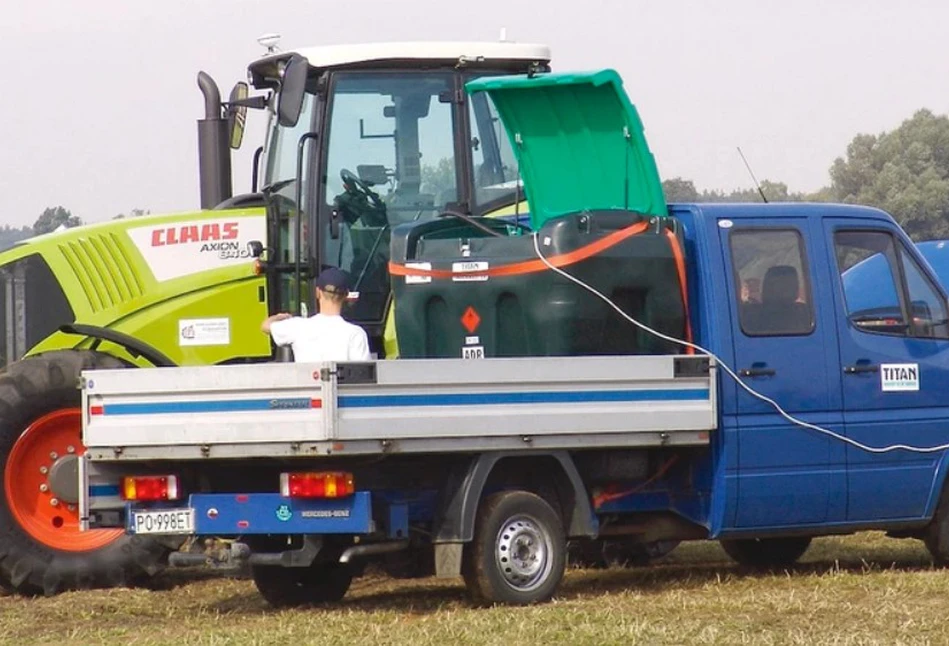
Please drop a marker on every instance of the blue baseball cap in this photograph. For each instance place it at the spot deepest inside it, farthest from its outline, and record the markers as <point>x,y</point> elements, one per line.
<point>333,280</point>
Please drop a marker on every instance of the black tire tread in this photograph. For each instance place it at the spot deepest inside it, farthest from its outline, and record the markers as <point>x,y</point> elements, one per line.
<point>766,552</point>
<point>28,389</point>
<point>478,567</point>
<point>936,535</point>
<point>286,587</point>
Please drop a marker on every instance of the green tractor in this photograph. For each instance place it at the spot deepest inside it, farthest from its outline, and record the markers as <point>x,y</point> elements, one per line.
<point>361,138</point>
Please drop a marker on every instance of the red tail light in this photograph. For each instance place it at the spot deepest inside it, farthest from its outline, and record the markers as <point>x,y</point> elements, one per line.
<point>324,484</point>
<point>150,488</point>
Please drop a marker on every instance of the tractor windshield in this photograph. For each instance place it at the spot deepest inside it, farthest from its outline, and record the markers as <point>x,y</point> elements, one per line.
<point>390,159</point>
<point>386,147</point>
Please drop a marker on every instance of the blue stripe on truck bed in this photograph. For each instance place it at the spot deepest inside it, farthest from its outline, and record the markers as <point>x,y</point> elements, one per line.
<point>212,406</point>
<point>375,401</point>
<point>475,399</point>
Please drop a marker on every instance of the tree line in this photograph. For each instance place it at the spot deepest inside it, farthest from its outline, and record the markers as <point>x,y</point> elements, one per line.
<point>905,172</point>
<point>51,219</point>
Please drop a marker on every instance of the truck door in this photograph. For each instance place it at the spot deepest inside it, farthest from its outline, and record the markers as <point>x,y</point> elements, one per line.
<point>891,321</point>
<point>784,349</point>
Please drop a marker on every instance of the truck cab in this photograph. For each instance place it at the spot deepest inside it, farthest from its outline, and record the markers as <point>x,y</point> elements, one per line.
<point>830,311</point>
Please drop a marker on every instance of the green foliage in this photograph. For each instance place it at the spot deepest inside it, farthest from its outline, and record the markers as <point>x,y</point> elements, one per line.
<point>11,235</point>
<point>54,217</point>
<point>134,213</point>
<point>438,178</point>
<point>678,189</point>
<point>904,172</point>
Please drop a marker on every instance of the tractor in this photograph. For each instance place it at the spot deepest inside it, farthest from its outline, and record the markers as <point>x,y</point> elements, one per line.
<point>361,138</point>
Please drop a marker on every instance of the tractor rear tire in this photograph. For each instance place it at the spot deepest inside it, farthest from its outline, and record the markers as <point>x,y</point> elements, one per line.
<point>42,550</point>
<point>763,553</point>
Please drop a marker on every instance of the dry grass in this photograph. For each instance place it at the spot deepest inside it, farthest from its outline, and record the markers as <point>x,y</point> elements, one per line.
<point>857,590</point>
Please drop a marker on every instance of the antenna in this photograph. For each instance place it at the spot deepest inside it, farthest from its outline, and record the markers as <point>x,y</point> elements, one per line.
<point>753,178</point>
<point>270,42</point>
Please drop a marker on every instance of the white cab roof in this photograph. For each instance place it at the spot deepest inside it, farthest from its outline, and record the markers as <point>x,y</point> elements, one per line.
<point>336,55</point>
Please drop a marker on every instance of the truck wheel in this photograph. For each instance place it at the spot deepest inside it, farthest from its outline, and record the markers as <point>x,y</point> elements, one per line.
<point>284,587</point>
<point>766,552</point>
<point>936,536</point>
<point>519,550</point>
<point>42,550</point>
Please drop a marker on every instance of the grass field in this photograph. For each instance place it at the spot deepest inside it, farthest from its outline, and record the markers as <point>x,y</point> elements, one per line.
<point>864,589</point>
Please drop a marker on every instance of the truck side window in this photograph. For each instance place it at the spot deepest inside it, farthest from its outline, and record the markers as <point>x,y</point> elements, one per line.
<point>869,272</point>
<point>772,282</point>
<point>927,305</point>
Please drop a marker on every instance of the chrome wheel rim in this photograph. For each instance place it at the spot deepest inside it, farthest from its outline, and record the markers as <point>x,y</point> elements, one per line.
<point>522,553</point>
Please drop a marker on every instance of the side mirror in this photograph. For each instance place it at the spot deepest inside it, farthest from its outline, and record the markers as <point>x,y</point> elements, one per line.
<point>256,248</point>
<point>292,91</point>
<point>237,114</point>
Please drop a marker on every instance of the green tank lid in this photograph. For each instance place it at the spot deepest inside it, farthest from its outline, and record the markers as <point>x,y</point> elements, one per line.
<point>579,143</point>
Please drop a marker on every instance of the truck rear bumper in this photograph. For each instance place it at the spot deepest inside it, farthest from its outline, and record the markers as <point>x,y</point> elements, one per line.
<point>238,514</point>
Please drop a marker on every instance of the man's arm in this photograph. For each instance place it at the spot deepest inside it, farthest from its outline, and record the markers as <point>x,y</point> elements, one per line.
<point>265,326</point>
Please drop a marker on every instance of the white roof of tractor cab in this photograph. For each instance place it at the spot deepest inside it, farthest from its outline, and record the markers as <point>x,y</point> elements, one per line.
<point>505,53</point>
<point>337,55</point>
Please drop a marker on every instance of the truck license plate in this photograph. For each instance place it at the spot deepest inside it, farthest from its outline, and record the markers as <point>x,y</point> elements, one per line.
<point>162,521</point>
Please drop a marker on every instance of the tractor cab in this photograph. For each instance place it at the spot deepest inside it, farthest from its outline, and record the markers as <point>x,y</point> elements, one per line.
<point>364,138</point>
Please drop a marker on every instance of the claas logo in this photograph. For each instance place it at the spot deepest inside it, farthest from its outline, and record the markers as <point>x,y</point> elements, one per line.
<point>213,231</point>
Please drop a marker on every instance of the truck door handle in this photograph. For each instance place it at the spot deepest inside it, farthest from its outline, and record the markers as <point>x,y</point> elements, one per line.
<point>756,372</point>
<point>861,368</point>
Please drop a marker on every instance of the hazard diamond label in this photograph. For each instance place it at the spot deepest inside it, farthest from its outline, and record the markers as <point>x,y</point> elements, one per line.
<point>470,319</point>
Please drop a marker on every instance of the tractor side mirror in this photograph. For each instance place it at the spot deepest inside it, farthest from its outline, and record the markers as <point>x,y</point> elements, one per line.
<point>256,248</point>
<point>292,91</point>
<point>237,114</point>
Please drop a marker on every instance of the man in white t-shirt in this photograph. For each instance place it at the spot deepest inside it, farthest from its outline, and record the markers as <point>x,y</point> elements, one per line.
<point>325,336</point>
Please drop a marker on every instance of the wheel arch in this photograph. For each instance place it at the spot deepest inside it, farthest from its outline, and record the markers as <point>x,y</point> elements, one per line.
<point>458,505</point>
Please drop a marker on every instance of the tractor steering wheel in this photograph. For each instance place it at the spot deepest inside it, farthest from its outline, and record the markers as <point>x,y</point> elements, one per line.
<point>353,183</point>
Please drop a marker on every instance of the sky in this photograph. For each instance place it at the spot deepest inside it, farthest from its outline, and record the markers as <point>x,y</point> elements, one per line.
<point>100,101</point>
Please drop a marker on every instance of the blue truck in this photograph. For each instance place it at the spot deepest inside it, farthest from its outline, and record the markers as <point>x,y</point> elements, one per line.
<point>601,369</point>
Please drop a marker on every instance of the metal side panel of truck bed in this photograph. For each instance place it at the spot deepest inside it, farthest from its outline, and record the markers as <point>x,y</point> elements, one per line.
<point>432,405</point>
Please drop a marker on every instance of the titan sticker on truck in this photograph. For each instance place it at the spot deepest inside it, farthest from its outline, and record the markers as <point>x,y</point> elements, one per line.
<point>896,377</point>
<point>177,249</point>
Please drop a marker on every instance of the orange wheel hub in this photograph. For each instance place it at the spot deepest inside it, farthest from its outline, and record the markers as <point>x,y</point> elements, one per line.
<point>46,443</point>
